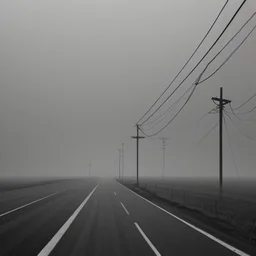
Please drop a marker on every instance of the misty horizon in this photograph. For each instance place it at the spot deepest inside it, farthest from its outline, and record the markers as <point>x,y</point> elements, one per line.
<point>76,77</point>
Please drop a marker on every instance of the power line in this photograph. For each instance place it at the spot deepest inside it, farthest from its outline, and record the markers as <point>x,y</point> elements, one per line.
<point>168,110</point>
<point>233,112</point>
<point>205,136</point>
<point>227,59</point>
<point>212,111</point>
<point>220,65</point>
<point>215,42</point>
<point>247,112</point>
<point>238,129</point>
<point>186,61</point>
<point>190,95</point>
<point>245,102</point>
<point>230,147</point>
<point>239,114</point>
<point>195,84</point>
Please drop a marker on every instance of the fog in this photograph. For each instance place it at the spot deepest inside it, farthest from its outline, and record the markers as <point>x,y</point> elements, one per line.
<point>76,76</point>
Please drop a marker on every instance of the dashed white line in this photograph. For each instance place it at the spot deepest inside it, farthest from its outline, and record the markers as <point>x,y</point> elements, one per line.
<point>115,193</point>
<point>25,205</point>
<point>124,208</point>
<point>53,242</point>
<point>217,240</point>
<point>147,240</point>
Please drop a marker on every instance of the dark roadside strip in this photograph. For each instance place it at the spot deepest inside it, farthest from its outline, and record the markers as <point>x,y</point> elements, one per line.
<point>193,219</point>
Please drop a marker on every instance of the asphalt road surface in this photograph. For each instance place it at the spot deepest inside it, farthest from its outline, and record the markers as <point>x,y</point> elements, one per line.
<point>96,217</point>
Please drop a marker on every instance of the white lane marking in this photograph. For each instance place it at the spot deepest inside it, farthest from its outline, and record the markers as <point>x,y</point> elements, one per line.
<point>115,193</point>
<point>125,208</point>
<point>53,242</point>
<point>147,240</point>
<point>25,205</point>
<point>228,246</point>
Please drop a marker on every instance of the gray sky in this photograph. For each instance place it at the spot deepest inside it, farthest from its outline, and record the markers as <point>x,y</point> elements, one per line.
<point>77,75</point>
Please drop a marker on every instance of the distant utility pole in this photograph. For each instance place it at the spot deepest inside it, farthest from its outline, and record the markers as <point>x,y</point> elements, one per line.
<point>122,160</point>
<point>119,150</point>
<point>164,147</point>
<point>90,165</point>
<point>138,138</point>
<point>221,103</point>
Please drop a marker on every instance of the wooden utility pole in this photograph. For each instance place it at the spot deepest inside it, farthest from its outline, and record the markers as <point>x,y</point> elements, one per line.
<point>119,150</point>
<point>90,165</point>
<point>138,138</point>
<point>164,147</point>
<point>122,160</point>
<point>222,103</point>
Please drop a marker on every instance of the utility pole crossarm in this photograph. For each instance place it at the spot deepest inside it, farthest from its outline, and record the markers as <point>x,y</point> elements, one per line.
<point>224,101</point>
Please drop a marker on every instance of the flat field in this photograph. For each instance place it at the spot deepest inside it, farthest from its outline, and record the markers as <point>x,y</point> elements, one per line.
<point>8,184</point>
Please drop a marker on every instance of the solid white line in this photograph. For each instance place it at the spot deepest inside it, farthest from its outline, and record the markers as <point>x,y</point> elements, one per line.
<point>147,240</point>
<point>53,242</point>
<point>25,205</point>
<point>228,246</point>
<point>115,193</point>
<point>125,209</point>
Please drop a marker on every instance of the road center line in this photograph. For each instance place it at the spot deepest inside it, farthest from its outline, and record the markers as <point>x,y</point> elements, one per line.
<point>124,208</point>
<point>147,240</point>
<point>217,240</point>
<point>25,205</point>
<point>56,238</point>
<point>115,193</point>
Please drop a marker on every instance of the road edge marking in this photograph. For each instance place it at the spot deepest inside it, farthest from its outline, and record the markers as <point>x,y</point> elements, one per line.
<point>147,240</point>
<point>35,201</point>
<point>215,239</point>
<point>125,208</point>
<point>56,238</point>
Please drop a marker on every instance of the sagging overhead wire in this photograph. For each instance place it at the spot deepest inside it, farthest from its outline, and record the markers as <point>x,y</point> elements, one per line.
<point>161,118</point>
<point>237,115</point>
<point>184,66</point>
<point>230,147</point>
<point>167,111</point>
<point>245,102</point>
<point>244,113</point>
<point>194,86</point>
<point>190,95</point>
<point>230,55</point>
<point>212,111</point>
<point>218,68</point>
<point>204,137</point>
<point>214,43</point>
<point>238,129</point>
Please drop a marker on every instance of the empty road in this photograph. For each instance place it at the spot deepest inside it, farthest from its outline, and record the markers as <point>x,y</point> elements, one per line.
<point>96,217</point>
